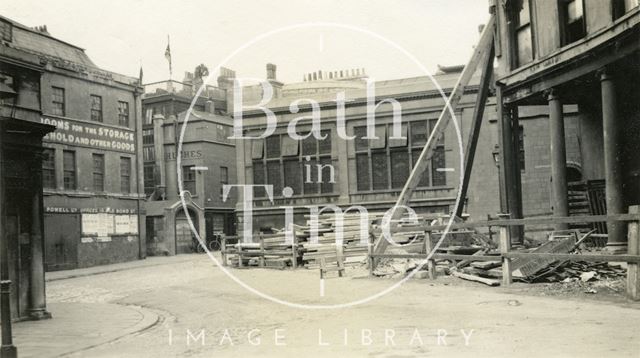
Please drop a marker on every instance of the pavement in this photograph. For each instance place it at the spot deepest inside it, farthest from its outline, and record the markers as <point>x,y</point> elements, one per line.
<point>76,327</point>
<point>186,306</point>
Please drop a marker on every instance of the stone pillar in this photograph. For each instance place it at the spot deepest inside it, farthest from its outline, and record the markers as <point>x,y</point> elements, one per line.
<point>558,158</point>
<point>617,241</point>
<point>37,306</point>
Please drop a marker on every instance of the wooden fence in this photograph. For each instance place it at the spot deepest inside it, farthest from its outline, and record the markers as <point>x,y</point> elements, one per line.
<point>506,255</point>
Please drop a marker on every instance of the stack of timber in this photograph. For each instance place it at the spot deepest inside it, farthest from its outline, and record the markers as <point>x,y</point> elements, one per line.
<point>270,251</point>
<point>353,243</point>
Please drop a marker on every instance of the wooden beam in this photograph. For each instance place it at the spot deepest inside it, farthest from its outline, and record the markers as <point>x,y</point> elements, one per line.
<point>483,47</point>
<point>633,270</point>
<point>478,115</point>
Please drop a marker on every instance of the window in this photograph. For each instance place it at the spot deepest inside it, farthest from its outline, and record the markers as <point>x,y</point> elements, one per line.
<point>572,17</point>
<point>149,178</point>
<point>387,165</point>
<point>621,7</point>
<point>123,113</point>
<point>294,164</point>
<point>57,101</point>
<point>69,168</point>
<point>521,32</point>
<point>96,108</point>
<point>125,175</point>
<point>49,168</point>
<point>189,179</point>
<point>148,154</point>
<point>224,178</point>
<point>98,172</point>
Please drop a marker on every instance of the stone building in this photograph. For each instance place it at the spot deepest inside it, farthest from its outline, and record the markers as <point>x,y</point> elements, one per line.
<point>207,162</point>
<point>21,209</point>
<point>580,53</point>
<point>372,173</point>
<point>92,172</point>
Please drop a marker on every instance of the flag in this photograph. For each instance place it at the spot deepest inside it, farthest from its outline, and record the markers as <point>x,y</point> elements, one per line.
<point>167,55</point>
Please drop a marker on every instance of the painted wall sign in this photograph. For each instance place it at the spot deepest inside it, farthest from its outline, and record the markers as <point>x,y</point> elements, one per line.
<point>90,135</point>
<point>185,154</point>
<point>73,210</point>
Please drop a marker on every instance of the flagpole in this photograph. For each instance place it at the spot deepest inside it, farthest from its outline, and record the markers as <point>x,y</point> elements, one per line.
<point>169,52</point>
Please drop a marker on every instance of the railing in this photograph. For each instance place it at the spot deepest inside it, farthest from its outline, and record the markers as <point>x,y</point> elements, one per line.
<point>506,255</point>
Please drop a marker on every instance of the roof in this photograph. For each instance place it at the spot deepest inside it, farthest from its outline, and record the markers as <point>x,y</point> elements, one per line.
<point>217,118</point>
<point>42,43</point>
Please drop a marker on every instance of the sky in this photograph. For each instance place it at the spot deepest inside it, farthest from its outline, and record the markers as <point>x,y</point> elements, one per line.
<point>299,36</point>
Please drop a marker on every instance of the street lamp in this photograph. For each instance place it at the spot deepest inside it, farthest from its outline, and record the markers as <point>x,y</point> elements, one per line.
<point>7,349</point>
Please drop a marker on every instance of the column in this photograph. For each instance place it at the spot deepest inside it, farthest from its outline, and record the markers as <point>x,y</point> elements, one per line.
<point>617,241</point>
<point>38,306</point>
<point>509,174</point>
<point>558,153</point>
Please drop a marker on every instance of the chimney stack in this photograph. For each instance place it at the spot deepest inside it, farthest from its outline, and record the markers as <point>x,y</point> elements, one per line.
<point>271,71</point>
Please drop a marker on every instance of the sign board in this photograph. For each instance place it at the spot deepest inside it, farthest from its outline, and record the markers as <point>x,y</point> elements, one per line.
<point>83,134</point>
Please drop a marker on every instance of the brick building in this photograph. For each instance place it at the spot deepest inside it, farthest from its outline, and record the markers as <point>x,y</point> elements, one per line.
<point>92,175</point>
<point>207,162</point>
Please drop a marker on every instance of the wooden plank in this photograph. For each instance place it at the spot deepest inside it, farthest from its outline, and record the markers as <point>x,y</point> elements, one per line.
<point>435,256</point>
<point>486,281</point>
<point>431,264</point>
<point>505,247</point>
<point>633,270</point>
<point>575,257</point>
<point>546,220</point>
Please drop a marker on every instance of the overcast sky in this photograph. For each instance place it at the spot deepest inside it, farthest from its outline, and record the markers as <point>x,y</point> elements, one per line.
<point>120,35</point>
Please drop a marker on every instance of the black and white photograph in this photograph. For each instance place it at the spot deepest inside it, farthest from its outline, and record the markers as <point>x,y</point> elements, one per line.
<point>319,178</point>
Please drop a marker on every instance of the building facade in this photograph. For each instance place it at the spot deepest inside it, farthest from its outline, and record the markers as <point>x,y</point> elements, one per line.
<point>580,53</point>
<point>92,172</point>
<point>202,163</point>
<point>371,173</point>
<point>21,200</point>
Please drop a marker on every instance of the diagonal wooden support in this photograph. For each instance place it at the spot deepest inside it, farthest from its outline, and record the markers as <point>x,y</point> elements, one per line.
<point>478,115</point>
<point>485,45</point>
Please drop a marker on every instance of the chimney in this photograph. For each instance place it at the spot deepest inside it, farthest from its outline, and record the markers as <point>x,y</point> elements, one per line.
<point>210,107</point>
<point>271,71</point>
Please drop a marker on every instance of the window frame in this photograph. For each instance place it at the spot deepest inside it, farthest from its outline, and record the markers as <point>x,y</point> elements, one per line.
<point>96,113</point>
<point>410,148</point>
<point>49,180</point>
<point>55,102</point>
<point>98,171</point>
<point>66,171</point>
<point>321,153</point>
<point>189,179</point>
<point>123,113</point>
<point>516,27</point>
<point>125,176</point>
<point>564,24</point>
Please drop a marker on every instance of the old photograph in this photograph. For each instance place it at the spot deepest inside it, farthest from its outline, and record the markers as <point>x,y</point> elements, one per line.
<point>319,178</point>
